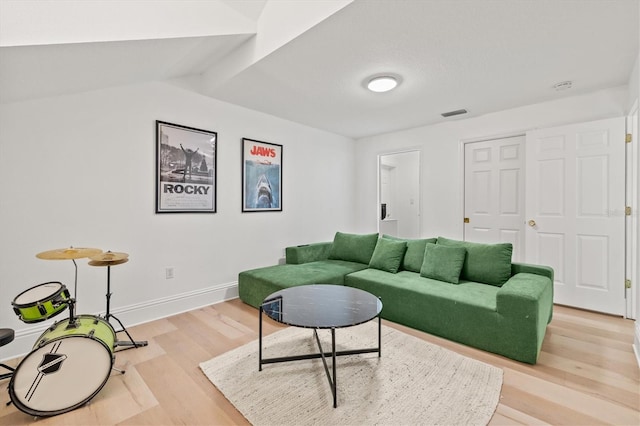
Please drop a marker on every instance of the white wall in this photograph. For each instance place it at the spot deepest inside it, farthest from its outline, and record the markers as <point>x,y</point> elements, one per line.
<point>441,154</point>
<point>79,170</point>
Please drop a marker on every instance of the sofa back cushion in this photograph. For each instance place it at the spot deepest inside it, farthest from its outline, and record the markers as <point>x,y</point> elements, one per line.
<point>443,263</point>
<point>388,255</point>
<point>484,263</point>
<point>353,247</point>
<point>414,256</point>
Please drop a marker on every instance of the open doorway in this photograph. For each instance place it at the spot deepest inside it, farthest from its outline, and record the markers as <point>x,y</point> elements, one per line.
<point>399,194</point>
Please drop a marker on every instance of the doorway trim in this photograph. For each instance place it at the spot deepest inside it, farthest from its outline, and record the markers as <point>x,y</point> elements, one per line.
<point>632,230</point>
<point>379,156</point>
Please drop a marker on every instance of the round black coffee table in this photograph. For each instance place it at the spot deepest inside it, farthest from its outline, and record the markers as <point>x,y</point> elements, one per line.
<point>322,306</point>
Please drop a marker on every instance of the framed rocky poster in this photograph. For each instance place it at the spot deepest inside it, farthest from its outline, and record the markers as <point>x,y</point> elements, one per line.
<point>185,169</point>
<point>261,176</point>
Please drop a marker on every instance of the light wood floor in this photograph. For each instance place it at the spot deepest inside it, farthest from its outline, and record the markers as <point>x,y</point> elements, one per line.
<point>587,373</point>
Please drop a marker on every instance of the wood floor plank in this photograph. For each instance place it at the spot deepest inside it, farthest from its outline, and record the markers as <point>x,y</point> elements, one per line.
<point>209,339</point>
<point>506,415</point>
<point>590,379</point>
<point>543,409</point>
<point>151,329</point>
<point>603,356</point>
<point>181,398</point>
<point>587,318</point>
<point>592,409</point>
<point>151,417</point>
<point>225,325</point>
<point>617,340</point>
<point>132,356</point>
<point>587,373</point>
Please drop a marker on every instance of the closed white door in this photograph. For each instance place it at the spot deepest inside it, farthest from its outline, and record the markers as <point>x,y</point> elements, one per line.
<point>494,192</point>
<point>575,211</point>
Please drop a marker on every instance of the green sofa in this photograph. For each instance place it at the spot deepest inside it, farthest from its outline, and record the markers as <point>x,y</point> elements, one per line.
<point>466,292</point>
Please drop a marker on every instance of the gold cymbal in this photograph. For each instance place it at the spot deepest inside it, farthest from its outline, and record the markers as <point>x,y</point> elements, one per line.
<point>68,253</point>
<point>110,263</point>
<point>109,256</point>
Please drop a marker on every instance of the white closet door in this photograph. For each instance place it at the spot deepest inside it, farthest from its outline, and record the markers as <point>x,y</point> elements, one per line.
<point>575,202</point>
<point>494,192</point>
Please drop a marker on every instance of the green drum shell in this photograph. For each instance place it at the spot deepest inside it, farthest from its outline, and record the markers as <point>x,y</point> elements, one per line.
<point>82,383</point>
<point>32,312</point>
<point>102,331</point>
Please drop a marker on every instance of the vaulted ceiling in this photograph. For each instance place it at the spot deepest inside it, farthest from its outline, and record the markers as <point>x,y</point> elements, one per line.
<point>308,61</point>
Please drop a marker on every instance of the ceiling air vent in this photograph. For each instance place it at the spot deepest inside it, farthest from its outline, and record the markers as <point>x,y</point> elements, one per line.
<point>452,113</point>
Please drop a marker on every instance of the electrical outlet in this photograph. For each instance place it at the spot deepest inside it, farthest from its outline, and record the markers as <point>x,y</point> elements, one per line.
<point>168,273</point>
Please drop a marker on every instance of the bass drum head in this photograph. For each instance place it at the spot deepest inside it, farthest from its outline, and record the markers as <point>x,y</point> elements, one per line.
<point>60,376</point>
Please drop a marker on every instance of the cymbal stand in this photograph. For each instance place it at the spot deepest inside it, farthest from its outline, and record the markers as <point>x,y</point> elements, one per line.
<point>75,282</point>
<point>130,344</point>
<point>72,301</point>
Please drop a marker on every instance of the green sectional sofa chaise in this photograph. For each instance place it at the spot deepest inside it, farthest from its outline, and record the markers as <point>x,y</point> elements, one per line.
<point>466,292</point>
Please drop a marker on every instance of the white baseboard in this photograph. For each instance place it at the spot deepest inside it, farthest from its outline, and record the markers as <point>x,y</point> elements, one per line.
<point>132,315</point>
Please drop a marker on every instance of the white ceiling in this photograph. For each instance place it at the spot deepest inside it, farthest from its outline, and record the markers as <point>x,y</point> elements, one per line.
<point>482,55</point>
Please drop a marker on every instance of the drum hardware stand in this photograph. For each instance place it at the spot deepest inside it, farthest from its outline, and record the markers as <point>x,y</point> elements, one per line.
<point>75,283</point>
<point>118,370</point>
<point>117,258</point>
<point>130,343</point>
<point>71,303</point>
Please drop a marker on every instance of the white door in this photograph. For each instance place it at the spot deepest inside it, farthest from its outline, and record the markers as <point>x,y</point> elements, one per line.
<point>494,192</point>
<point>575,210</point>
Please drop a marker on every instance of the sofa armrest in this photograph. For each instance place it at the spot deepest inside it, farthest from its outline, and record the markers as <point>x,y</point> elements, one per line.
<point>306,253</point>
<point>545,271</point>
<point>526,295</point>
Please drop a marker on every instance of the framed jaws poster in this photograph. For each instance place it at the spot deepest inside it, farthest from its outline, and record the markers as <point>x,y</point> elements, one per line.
<point>185,169</point>
<point>261,176</point>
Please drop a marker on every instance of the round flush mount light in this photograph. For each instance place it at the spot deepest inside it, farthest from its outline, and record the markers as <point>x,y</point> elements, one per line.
<point>563,85</point>
<point>382,83</point>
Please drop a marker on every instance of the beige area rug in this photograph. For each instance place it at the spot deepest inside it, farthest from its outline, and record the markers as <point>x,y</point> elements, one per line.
<point>413,383</point>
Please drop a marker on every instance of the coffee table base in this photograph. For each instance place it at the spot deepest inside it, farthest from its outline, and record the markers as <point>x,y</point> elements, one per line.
<point>333,354</point>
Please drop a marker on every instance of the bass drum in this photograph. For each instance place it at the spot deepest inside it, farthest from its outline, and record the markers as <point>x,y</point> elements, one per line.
<point>66,368</point>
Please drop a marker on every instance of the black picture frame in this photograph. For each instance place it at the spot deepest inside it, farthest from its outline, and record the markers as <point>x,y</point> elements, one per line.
<point>261,176</point>
<point>186,169</point>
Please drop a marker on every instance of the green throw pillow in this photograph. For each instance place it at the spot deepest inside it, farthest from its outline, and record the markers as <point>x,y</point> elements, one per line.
<point>388,255</point>
<point>353,247</point>
<point>414,255</point>
<point>485,263</point>
<point>443,263</point>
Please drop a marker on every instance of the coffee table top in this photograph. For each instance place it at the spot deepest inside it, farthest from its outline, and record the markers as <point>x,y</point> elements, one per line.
<point>322,306</point>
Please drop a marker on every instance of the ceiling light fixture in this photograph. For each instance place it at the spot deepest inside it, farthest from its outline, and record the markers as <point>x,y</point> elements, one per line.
<point>452,113</point>
<point>382,83</point>
<point>563,85</point>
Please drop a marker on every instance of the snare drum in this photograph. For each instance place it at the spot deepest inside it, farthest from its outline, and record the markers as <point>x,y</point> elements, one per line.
<point>66,368</point>
<point>41,302</point>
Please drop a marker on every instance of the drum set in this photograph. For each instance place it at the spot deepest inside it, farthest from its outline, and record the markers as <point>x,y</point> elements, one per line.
<point>72,360</point>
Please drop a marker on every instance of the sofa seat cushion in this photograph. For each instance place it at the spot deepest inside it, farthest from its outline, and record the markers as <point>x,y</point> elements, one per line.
<point>256,284</point>
<point>411,285</point>
<point>506,320</point>
<point>465,312</point>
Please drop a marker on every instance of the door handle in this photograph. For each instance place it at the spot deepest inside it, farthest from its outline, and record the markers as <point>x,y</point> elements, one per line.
<point>532,223</point>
